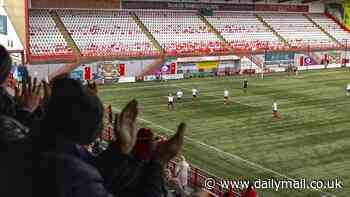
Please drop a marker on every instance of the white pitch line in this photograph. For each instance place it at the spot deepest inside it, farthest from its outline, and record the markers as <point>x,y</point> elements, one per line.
<point>134,87</point>
<point>236,157</point>
<point>150,86</point>
<point>155,86</point>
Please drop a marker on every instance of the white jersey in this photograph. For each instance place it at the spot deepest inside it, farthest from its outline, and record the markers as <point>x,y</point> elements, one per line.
<point>194,92</point>
<point>348,87</point>
<point>179,94</point>
<point>170,99</point>
<point>274,107</point>
<point>226,93</point>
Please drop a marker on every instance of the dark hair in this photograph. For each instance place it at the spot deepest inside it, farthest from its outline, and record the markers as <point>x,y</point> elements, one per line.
<point>5,64</point>
<point>251,185</point>
<point>73,112</point>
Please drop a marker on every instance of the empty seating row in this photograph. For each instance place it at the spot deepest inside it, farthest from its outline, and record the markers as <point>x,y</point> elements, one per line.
<point>45,38</point>
<point>332,28</point>
<point>98,32</point>
<point>244,30</point>
<point>108,32</point>
<point>298,30</point>
<point>180,31</point>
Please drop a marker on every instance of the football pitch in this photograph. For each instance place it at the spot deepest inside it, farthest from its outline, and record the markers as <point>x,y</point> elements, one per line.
<point>241,140</point>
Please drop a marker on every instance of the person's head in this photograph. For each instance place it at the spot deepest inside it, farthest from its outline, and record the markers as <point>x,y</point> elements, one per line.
<point>251,185</point>
<point>73,112</point>
<point>167,174</point>
<point>170,94</point>
<point>5,65</point>
<point>144,144</point>
<point>227,194</point>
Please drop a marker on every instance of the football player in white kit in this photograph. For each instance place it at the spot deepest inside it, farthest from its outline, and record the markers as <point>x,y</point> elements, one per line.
<point>179,95</point>
<point>226,95</point>
<point>274,110</point>
<point>170,101</point>
<point>194,93</point>
<point>348,89</point>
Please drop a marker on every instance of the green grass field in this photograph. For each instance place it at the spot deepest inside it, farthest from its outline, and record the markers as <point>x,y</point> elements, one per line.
<point>242,140</point>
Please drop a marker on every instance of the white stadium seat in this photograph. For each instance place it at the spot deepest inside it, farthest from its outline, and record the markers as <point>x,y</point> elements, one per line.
<point>298,30</point>
<point>180,31</point>
<point>98,32</point>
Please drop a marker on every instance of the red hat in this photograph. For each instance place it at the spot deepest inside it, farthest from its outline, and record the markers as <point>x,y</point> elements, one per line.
<point>143,144</point>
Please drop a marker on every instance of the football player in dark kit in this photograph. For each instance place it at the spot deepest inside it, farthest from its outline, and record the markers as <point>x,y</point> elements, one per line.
<point>245,85</point>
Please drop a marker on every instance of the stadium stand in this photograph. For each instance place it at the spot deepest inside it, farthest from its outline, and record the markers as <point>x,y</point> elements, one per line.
<point>244,31</point>
<point>45,38</point>
<point>99,33</point>
<point>298,30</point>
<point>331,27</point>
<point>180,32</point>
<point>102,33</point>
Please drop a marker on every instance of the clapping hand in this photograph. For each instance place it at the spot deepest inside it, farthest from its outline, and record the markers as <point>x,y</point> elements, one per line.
<point>171,148</point>
<point>29,95</point>
<point>125,128</point>
<point>47,93</point>
<point>92,87</point>
<point>126,134</point>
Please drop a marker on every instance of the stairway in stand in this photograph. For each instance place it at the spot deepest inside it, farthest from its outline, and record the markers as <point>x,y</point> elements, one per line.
<point>149,35</point>
<point>66,35</point>
<point>323,30</point>
<point>256,60</point>
<point>281,38</point>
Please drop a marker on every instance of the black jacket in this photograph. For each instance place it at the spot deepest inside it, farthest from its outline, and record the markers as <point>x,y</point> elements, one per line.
<point>64,170</point>
<point>9,107</point>
<point>11,131</point>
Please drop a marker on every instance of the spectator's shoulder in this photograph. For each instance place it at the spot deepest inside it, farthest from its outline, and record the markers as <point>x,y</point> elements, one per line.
<point>76,168</point>
<point>11,130</point>
<point>73,176</point>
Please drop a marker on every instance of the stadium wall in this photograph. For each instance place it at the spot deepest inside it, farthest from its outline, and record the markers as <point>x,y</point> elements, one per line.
<point>42,71</point>
<point>96,4</point>
<point>9,38</point>
<point>132,67</point>
<point>15,10</point>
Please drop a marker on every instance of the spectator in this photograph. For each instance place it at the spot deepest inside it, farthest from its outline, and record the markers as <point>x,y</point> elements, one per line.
<point>182,171</point>
<point>144,144</point>
<point>11,131</point>
<point>92,86</point>
<point>7,104</point>
<point>250,191</point>
<point>160,139</point>
<point>199,193</point>
<point>173,185</point>
<point>73,119</point>
<point>25,103</point>
<point>110,114</point>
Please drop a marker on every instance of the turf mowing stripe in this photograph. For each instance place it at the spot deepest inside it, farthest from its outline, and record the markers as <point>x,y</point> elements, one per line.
<point>236,157</point>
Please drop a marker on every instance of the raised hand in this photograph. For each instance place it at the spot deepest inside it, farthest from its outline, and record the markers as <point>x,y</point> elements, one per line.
<point>168,150</point>
<point>47,92</point>
<point>29,97</point>
<point>125,128</point>
<point>92,86</point>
